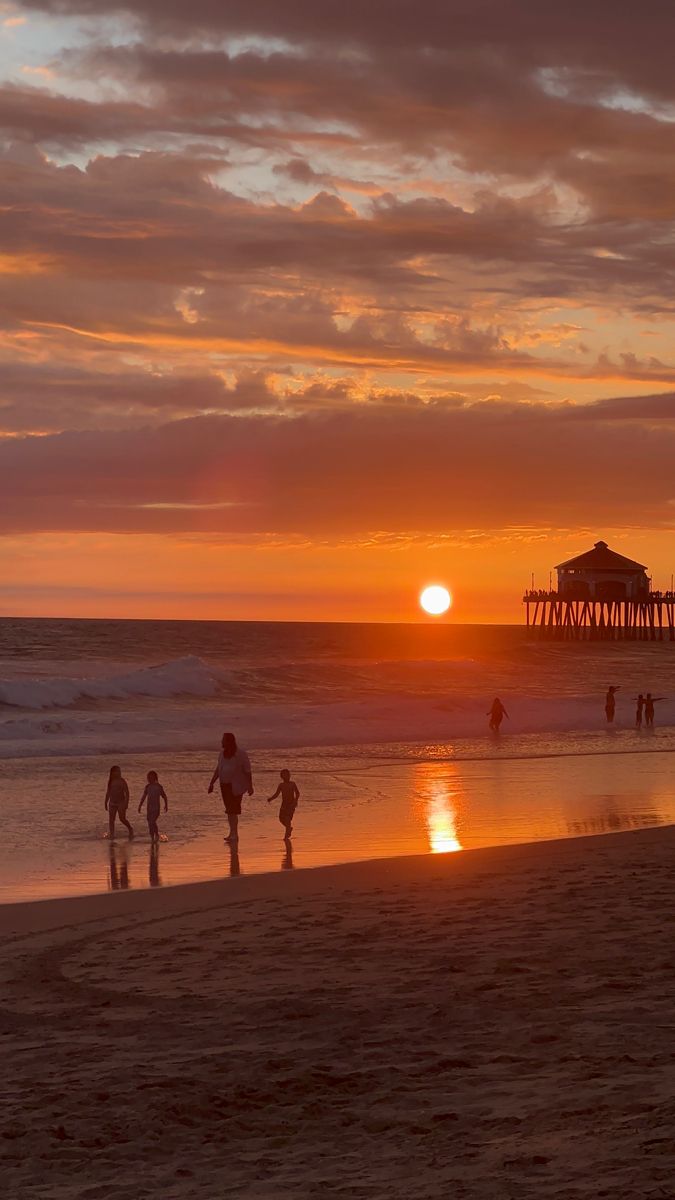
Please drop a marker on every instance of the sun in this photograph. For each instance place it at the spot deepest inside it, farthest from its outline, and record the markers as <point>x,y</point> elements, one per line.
<point>435,600</point>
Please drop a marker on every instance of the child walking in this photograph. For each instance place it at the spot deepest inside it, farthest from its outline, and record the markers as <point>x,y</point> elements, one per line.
<point>154,792</point>
<point>290,794</point>
<point>116,801</point>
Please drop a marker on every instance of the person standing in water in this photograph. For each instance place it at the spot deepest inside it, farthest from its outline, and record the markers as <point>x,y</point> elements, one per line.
<point>290,794</point>
<point>234,772</point>
<point>650,701</point>
<point>117,801</point>
<point>610,704</point>
<point>638,711</point>
<point>496,714</point>
<point>154,793</point>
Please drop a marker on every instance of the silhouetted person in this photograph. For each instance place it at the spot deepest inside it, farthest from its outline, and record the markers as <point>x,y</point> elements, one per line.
<point>290,794</point>
<point>154,793</point>
<point>234,772</point>
<point>119,879</point>
<point>496,714</point>
<point>610,704</point>
<point>638,711</point>
<point>117,800</point>
<point>650,701</point>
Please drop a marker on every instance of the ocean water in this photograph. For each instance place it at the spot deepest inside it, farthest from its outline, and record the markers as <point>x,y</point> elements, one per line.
<point>384,727</point>
<point>102,687</point>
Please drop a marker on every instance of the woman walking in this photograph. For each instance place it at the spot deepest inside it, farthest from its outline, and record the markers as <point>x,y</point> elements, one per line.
<point>234,772</point>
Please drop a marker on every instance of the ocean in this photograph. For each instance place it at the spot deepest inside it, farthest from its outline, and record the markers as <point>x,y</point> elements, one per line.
<point>383,726</point>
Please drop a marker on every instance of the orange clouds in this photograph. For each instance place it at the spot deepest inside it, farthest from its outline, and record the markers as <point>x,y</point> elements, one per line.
<point>337,271</point>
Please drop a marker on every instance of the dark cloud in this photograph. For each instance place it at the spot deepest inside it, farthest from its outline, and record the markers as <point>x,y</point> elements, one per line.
<point>39,397</point>
<point>486,466</point>
<point>660,407</point>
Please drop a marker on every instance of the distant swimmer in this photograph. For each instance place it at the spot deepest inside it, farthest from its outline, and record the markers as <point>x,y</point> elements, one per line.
<point>610,704</point>
<point>650,701</point>
<point>496,714</point>
<point>154,793</point>
<point>117,800</point>
<point>640,700</point>
<point>290,794</point>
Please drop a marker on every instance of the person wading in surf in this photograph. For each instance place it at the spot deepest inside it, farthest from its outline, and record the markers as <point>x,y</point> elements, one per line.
<point>610,704</point>
<point>650,701</point>
<point>234,772</point>
<point>496,714</point>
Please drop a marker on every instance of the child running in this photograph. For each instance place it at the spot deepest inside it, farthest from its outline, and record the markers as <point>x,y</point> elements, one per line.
<point>117,801</point>
<point>290,794</point>
<point>154,792</point>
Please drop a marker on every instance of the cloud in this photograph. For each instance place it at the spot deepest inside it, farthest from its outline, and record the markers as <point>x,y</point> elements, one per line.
<point>43,397</point>
<point>656,408</point>
<point>341,250</point>
<point>147,251</point>
<point>487,466</point>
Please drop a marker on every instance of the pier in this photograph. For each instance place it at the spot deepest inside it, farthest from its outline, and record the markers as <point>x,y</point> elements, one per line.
<point>601,596</point>
<point>558,617</point>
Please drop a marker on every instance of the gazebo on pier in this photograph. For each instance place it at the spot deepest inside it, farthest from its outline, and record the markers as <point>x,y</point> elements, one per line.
<point>602,574</point>
<point>601,595</point>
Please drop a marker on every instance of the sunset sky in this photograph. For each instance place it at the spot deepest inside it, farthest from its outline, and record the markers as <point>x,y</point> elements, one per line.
<point>307,303</point>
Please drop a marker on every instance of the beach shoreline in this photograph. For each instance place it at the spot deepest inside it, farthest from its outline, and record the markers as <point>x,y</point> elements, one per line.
<point>41,915</point>
<point>352,807</point>
<point>485,1024</point>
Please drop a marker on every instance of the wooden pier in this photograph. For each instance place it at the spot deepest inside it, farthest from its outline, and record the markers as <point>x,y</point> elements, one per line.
<point>650,618</point>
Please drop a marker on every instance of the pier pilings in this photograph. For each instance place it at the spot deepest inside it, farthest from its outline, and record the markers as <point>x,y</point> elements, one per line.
<point>563,618</point>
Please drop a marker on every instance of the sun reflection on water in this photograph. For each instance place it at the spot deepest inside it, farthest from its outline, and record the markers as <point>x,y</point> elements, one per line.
<point>442,823</point>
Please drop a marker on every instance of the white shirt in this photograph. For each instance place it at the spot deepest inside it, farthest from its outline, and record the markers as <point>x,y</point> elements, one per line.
<point>236,771</point>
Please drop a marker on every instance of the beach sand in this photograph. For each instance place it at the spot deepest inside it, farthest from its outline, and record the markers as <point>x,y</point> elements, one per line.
<point>497,1023</point>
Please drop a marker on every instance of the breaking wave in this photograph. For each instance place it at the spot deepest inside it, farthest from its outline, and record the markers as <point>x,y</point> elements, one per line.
<point>187,676</point>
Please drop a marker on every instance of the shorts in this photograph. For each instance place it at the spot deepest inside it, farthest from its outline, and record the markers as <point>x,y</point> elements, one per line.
<point>286,813</point>
<point>117,810</point>
<point>232,803</point>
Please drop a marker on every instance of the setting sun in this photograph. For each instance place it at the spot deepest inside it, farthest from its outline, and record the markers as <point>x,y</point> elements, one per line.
<point>435,600</point>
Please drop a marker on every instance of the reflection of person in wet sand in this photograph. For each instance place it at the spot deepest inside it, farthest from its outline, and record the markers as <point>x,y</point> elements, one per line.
<point>119,876</point>
<point>117,801</point>
<point>287,861</point>
<point>650,701</point>
<point>290,794</point>
<point>235,867</point>
<point>234,772</point>
<point>640,700</point>
<point>153,866</point>
<point>610,704</point>
<point>496,714</point>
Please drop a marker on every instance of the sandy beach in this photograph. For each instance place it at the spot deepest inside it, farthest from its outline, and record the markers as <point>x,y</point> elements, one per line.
<point>494,1023</point>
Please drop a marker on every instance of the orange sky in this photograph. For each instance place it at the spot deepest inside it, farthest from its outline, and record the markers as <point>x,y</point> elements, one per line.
<point>304,306</point>
<point>195,577</point>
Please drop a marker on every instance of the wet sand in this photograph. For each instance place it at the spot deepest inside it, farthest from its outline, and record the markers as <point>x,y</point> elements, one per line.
<point>353,806</point>
<point>490,1024</point>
